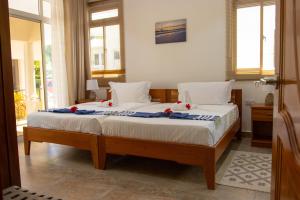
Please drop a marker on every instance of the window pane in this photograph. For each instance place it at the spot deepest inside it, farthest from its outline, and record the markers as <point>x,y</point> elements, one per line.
<point>46,9</point>
<point>248,37</point>
<point>112,41</point>
<point>97,48</point>
<point>105,14</point>
<point>30,6</point>
<point>269,37</point>
<point>48,64</point>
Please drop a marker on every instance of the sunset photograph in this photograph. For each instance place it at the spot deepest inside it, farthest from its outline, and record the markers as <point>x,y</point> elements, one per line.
<point>170,31</point>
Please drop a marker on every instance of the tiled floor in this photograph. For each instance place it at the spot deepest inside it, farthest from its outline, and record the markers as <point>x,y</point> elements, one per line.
<point>68,173</point>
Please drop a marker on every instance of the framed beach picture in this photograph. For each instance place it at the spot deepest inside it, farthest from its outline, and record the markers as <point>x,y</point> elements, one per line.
<point>170,31</point>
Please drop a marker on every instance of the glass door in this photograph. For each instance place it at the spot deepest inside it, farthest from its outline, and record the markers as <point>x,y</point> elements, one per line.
<point>26,50</point>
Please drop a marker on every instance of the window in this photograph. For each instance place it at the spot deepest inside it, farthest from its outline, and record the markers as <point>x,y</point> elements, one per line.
<point>29,6</point>
<point>106,39</point>
<point>48,65</point>
<point>252,39</point>
<point>248,38</point>
<point>46,9</point>
<point>105,14</point>
<point>97,48</point>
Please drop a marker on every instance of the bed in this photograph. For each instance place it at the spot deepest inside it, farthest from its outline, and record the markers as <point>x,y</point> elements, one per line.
<point>77,123</point>
<point>80,131</point>
<point>204,155</point>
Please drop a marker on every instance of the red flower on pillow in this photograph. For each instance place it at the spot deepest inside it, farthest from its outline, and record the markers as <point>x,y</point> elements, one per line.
<point>73,109</point>
<point>179,102</point>
<point>102,101</point>
<point>188,106</point>
<point>110,104</point>
<point>168,111</point>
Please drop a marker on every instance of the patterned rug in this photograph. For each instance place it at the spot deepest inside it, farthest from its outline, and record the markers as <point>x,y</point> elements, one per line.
<point>246,170</point>
<point>17,193</point>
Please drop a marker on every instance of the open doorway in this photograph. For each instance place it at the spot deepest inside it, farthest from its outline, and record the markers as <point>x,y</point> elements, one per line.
<point>26,50</point>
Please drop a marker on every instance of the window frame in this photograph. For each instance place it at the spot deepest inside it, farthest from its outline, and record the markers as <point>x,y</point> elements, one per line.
<point>246,73</point>
<point>119,20</point>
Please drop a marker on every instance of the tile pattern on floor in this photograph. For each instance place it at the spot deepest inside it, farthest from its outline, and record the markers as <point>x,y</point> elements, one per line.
<point>68,173</point>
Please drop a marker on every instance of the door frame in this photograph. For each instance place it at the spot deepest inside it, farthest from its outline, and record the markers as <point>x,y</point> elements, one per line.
<point>9,157</point>
<point>43,63</point>
<point>1,186</point>
<point>42,20</point>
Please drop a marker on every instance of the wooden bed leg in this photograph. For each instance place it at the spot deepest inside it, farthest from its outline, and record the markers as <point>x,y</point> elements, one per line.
<point>209,173</point>
<point>102,152</point>
<point>239,132</point>
<point>27,143</point>
<point>95,152</point>
<point>210,170</point>
<point>239,135</point>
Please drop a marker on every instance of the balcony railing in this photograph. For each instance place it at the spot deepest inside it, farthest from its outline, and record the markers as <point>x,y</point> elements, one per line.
<point>20,105</point>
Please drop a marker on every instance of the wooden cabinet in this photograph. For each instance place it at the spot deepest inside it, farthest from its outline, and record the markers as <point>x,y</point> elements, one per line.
<point>262,125</point>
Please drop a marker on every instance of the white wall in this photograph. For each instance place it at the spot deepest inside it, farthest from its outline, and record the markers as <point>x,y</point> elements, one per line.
<point>201,58</point>
<point>250,94</point>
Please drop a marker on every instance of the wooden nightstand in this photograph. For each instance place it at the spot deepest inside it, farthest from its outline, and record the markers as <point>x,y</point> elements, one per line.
<point>262,125</point>
<point>84,101</point>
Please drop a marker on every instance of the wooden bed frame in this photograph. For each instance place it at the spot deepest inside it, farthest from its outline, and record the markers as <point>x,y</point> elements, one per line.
<point>197,155</point>
<point>84,141</point>
<point>100,145</point>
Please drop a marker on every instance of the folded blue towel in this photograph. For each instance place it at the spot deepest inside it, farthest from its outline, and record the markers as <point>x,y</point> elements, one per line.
<point>62,110</point>
<point>203,117</point>
<point>175,115</point>
<point>67,110</point>
<point>178,115</point>
<point>147,115</point>
<point>84,112</point>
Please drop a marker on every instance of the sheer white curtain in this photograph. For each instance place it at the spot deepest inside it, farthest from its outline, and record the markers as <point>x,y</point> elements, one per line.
<point>59,70</point>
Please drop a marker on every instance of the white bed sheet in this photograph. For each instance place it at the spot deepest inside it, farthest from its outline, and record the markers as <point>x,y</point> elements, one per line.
<point>174,130</point>
<point>77,123</point>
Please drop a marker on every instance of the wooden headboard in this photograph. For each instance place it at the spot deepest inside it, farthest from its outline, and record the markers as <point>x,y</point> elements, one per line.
<point>171,96</point>
<point>157,95</point>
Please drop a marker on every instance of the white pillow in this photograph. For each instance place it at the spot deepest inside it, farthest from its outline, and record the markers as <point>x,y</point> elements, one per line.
<point>205,92</point>
<point>136,92</point>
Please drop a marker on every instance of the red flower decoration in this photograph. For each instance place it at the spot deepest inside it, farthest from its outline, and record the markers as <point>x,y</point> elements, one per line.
<point>188,106</point>
<point>73,109</point>
<point>179,102</point>
<point>102,101</point>
<point>110,104</point>
<point>168,111</point>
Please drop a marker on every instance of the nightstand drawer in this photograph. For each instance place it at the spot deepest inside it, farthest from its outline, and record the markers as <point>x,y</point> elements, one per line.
<point>262,114</point>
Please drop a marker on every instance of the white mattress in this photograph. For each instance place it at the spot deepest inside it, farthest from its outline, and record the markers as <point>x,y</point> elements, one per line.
<point>173,130</point>
<point>77,123</point>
